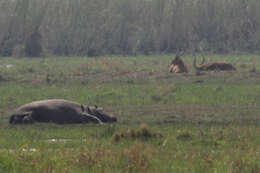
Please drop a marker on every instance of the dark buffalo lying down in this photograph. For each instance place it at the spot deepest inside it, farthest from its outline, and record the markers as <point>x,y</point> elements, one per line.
<point>59,111</point>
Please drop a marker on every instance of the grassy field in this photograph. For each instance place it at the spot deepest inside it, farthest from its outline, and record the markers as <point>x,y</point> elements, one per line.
<point>166,122</point>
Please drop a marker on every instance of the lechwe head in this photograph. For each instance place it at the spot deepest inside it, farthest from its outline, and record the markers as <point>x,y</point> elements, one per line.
<point>177,65</point>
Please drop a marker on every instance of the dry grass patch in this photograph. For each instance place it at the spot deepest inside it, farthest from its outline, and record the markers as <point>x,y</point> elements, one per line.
<point>184,136</point>
<point>143,132</point>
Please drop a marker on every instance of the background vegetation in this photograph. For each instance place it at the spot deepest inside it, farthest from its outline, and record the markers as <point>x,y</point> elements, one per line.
<point>127,27</point>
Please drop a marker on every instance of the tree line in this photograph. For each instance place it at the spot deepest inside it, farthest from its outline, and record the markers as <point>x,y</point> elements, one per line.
<point>127,27</point>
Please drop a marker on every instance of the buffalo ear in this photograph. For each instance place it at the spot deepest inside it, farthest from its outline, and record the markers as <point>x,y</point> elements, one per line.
<point>82,108</point>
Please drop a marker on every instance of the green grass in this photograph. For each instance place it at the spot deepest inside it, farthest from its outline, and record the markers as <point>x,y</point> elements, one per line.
<point>182,148</point>
<point>207,123</point>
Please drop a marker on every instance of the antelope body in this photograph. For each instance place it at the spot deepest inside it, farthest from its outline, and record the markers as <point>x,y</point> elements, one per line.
<point>213,66</point>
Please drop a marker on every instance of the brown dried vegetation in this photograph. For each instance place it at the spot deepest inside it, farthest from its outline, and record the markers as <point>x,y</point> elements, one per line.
<point>143,132</point>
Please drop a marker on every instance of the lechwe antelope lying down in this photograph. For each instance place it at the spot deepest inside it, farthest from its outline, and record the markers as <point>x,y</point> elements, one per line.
<point>212,66</point>
<point>178,66</point>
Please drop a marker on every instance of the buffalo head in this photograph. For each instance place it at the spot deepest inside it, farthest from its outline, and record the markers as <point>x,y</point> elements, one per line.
<point>24,119</point>
<point>100,114</point>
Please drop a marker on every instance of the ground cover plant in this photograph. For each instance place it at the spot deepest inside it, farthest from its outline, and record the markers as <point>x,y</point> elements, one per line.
<point>166,122</point>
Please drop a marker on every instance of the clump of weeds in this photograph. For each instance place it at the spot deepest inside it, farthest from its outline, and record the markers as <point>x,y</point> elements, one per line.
<point>239,166</point>
<point>143,132</point>
<point>184,136</point>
